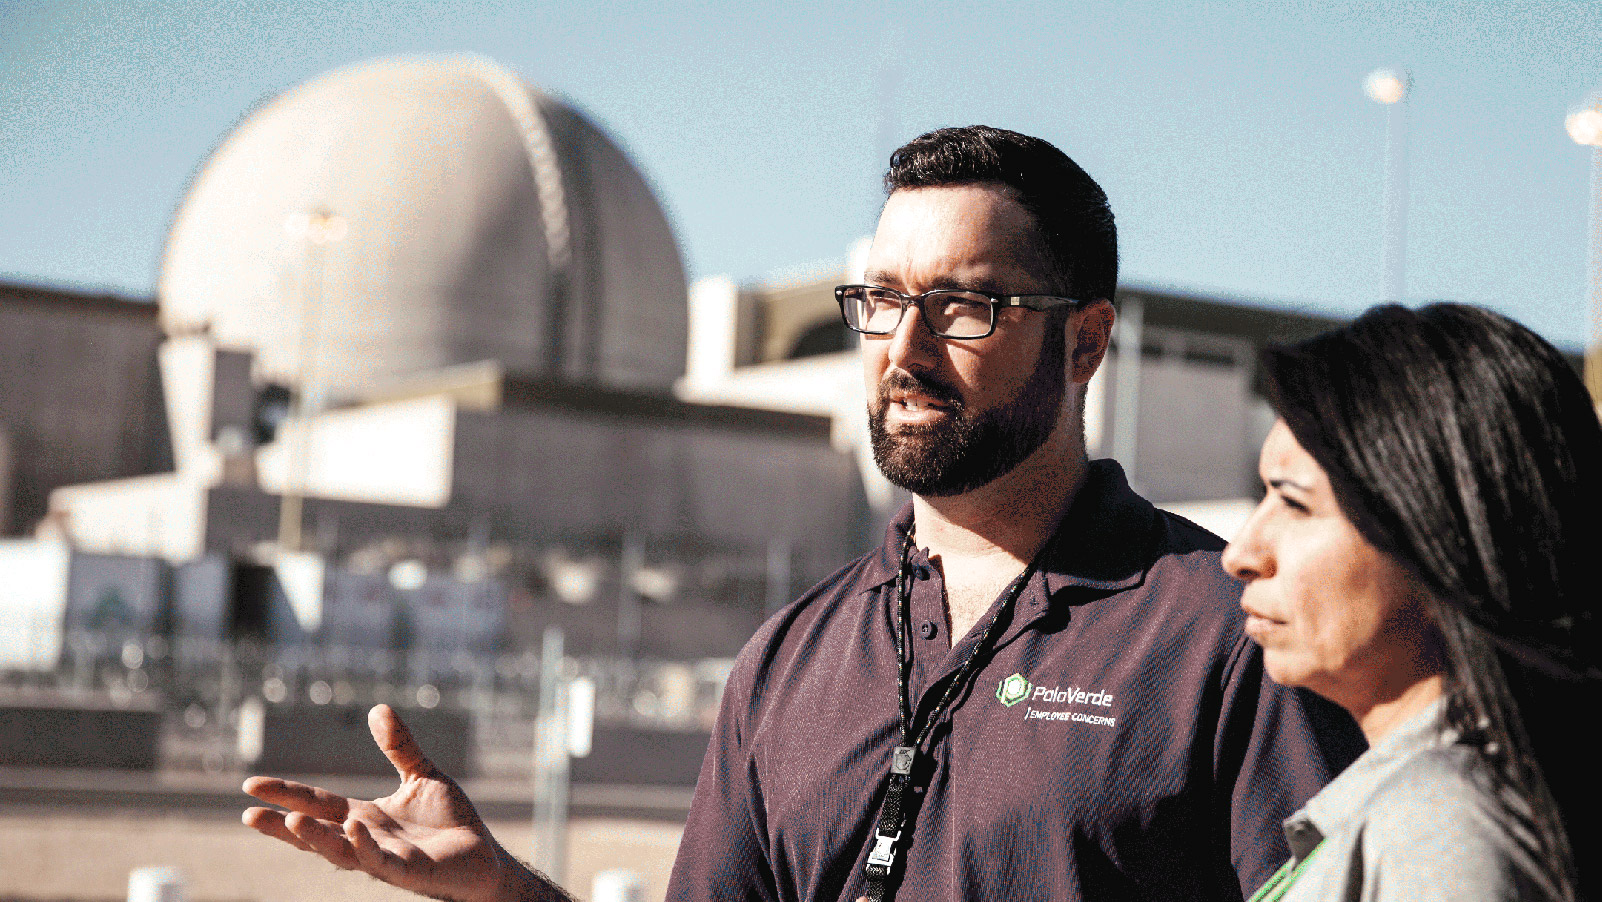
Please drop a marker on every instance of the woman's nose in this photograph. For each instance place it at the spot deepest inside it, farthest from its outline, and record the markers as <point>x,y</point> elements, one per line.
<point>1246,557</point>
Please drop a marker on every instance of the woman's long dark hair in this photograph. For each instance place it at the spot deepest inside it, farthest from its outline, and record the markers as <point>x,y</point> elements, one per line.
<point>1466,447</point>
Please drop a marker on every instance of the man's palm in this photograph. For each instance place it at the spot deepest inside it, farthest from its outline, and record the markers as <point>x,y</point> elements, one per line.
<point>424,837</point>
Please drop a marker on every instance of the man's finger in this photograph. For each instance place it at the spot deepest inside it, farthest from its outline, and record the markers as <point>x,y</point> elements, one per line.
<point>318,803</point>
<point>397,744</point>
<point>373,858</point>
<point>270,822</point>
<point>324,838</point>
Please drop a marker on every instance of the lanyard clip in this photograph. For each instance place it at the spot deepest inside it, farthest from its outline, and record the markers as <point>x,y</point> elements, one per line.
<point>884,850</point>
<point>891,816</point>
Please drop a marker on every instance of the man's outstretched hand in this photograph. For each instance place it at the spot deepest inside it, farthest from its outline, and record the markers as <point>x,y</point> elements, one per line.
<point>424,837</point>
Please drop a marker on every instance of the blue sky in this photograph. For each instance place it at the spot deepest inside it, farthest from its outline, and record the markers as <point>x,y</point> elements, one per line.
<point>1234,140</point>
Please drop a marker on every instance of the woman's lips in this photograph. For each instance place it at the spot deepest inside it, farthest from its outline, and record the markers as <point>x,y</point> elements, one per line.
<point>1259,624</point>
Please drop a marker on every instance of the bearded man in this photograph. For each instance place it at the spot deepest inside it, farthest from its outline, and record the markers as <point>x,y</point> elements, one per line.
<point>1037,687</point>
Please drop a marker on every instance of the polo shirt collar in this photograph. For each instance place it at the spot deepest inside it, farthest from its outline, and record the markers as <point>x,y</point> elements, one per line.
<point>1348,794</point>
<point>886,565</point>
<point>1104,541</point>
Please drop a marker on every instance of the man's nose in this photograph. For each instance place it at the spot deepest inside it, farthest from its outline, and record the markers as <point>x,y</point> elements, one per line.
<point>913,346</point>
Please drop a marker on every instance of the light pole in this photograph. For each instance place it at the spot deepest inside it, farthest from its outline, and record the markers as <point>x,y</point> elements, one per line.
<point>1391,88</point>
<point>318,228</point>
<point>1585,127</point>
<point>551,765</point>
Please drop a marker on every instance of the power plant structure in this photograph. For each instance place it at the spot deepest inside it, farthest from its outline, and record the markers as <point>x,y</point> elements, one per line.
<point>418,314</point>
<point>423,380</point>
<point>405,401</point>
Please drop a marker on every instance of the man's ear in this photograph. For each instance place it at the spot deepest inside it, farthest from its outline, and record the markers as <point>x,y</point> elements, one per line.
<point>1089,331</point>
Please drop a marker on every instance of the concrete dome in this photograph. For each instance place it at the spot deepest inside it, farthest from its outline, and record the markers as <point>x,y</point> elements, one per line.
<point>481,220</point>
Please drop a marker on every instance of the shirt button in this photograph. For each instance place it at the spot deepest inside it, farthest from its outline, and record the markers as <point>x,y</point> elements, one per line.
<point>928,630</point>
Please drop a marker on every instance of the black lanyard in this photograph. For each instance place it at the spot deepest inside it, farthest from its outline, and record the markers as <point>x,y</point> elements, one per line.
<point>890,833</point>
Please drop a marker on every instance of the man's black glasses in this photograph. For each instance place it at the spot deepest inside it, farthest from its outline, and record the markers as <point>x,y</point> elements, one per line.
<point>959,313</point>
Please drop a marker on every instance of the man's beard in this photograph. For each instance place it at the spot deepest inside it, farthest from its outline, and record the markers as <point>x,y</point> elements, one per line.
<point>967,450</point>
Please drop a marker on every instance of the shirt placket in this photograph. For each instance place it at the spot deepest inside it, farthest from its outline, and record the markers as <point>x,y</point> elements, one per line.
<point>927,630</point>
<point>932,659</point>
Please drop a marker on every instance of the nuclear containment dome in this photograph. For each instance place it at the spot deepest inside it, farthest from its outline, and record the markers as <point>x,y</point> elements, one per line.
<point>404,215</point>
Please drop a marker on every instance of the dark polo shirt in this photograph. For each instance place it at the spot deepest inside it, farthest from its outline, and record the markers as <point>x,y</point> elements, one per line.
<point>1122,742</point>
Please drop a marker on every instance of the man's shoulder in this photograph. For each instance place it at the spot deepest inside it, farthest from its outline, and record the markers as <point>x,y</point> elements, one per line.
<point>851,580</point>
<point>1112,539</point>
<point>819,610</point>
<point>1175,597</point>
<point>1185,536</point>
<point>1184,550</point>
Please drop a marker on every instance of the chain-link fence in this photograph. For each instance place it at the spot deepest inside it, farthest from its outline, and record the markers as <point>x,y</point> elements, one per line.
<point>204,691</point>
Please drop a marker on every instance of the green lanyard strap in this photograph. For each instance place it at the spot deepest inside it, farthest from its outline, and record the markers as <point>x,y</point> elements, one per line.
<point>1280,884</point>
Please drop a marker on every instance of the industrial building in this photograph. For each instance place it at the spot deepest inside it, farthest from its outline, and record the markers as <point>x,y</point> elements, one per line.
<point>417,329</point>
<point>424,378</point>
<point>80,398</point>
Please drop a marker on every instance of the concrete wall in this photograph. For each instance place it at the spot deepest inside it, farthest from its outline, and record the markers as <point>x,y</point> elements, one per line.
<point>534,476</point>
<point>634,757</point>
<point>79,393</point>
<point>547,473</point>
<point>155,516</point>
<point>33,603</point>
<point>1197,435</point>
<point>79,736</point>
<point>393,453</point>
<point>334,739</point>
<point>792,311</point>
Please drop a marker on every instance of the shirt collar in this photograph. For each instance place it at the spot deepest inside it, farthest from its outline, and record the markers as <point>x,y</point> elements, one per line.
<point>1103,542</point>
<point>1105,539</point>
<point>1346,795</point>
<point>884,566</point>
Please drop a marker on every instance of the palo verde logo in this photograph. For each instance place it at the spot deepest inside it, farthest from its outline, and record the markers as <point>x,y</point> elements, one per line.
<point>1013,690</point>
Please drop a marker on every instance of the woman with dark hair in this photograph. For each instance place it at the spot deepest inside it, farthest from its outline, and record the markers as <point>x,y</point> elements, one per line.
<point>1425,557</point>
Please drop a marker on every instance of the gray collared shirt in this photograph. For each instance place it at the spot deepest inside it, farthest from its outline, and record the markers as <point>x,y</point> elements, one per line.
<point>1415,820</point>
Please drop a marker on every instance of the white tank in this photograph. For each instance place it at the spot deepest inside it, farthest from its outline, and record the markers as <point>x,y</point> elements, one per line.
<point>465,216</point>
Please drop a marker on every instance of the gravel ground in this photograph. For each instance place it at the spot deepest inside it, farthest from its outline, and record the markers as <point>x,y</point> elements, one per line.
<point>85,856</point>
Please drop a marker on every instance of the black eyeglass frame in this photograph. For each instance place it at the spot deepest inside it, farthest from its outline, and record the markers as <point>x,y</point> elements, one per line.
<point>1037,302</point>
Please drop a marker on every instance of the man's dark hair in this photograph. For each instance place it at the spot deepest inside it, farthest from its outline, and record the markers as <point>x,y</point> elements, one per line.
<point>1078,238</point>
<point>1466,448</point>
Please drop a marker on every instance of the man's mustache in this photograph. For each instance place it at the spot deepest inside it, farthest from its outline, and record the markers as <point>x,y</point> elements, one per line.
<point>901,380</point>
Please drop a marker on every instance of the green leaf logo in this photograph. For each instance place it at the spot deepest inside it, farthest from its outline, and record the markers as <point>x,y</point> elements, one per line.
<point>1013,690</point>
